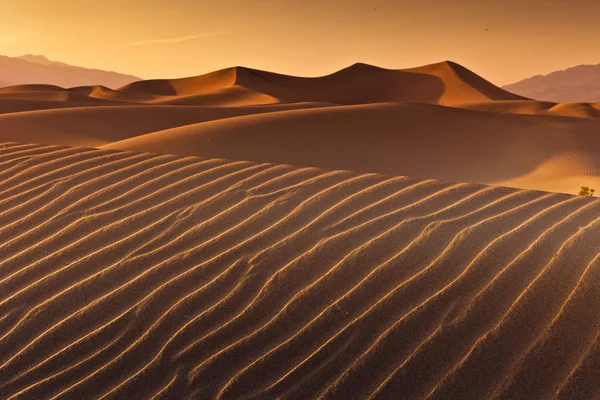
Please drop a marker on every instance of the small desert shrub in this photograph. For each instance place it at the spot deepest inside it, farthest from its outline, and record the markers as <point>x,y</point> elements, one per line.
<point>586,191</point>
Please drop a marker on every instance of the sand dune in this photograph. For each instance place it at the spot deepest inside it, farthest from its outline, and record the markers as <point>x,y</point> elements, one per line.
<point>99,125</point>
<point>438,121</point>
<point>582,110</point>
<point>535,152</point>
<point>8,106</point>
<point>533,107</point>
<point>137,275</point>
<point>445,83</point>
<point>73,97</point>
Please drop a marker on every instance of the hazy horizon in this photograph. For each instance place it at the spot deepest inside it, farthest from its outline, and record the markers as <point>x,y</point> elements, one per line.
<point>502,41</point>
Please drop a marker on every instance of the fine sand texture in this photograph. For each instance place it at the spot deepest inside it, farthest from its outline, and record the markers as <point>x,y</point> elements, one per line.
<point>128,275</point>
<point>533,107</point>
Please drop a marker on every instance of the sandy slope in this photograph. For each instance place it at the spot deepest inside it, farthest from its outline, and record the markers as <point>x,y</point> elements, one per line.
<point>535,152</point>
<point>133,275</point>
<point>99,125</point>
<point>533,107</point>
<point>445,83</point>
<point>437,121</point>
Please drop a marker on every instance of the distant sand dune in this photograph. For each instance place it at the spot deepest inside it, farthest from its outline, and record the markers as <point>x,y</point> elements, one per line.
<point>533,107</point>
<point>445,83</point>
<point>96,126</point>
<point>133,275</point>
<point>439,121</point>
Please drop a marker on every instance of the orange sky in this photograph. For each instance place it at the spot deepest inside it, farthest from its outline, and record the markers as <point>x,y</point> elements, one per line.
<point>157,38</point>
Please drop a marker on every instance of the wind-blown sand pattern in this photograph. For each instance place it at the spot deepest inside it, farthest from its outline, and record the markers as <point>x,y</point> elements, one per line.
<point>136,275</point>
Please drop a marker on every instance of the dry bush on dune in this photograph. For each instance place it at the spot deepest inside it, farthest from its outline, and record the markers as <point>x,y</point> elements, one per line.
<point>586,191</point>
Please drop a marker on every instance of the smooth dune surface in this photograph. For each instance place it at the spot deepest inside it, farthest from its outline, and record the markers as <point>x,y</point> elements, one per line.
<point>439,121</point>
<point>444,83</point>
<point>533,107</point>
<point>140,275</point>
<point>97,126</point>
<point>419,140</point>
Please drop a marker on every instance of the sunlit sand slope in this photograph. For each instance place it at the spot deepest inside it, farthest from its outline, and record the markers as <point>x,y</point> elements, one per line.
<point>445,83</point>
<point>533,107</point>
<point>96,126</point>
<point>134,275</point>
<point>419,140</point>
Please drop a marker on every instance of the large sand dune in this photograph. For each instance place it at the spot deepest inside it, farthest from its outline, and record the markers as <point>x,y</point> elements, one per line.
<point>427,141</point>
<point>100,125</point>
<point>533,107</point>
<point>438,121</point>
<point>135,275</point>
<point>445,83</point>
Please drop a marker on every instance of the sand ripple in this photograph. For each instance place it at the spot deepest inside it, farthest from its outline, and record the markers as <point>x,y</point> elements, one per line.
<point>135,275</point>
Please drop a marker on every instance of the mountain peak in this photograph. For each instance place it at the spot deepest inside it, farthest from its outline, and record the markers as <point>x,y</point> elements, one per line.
<point>38,59</point>
<point>577,84</point>
<point>38,69</point>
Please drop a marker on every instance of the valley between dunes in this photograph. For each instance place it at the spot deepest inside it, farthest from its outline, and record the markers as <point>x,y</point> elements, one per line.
<point>373,233</point>
<point>141,275</point>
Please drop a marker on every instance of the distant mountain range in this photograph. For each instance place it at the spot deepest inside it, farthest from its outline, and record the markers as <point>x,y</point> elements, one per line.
<point>36,69</point>
<point>572,85</point>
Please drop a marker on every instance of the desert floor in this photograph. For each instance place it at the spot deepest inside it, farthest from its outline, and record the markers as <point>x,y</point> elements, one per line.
<point>368,234</point>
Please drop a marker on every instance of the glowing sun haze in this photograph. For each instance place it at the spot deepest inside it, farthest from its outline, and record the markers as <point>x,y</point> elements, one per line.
<point>504,41</point>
